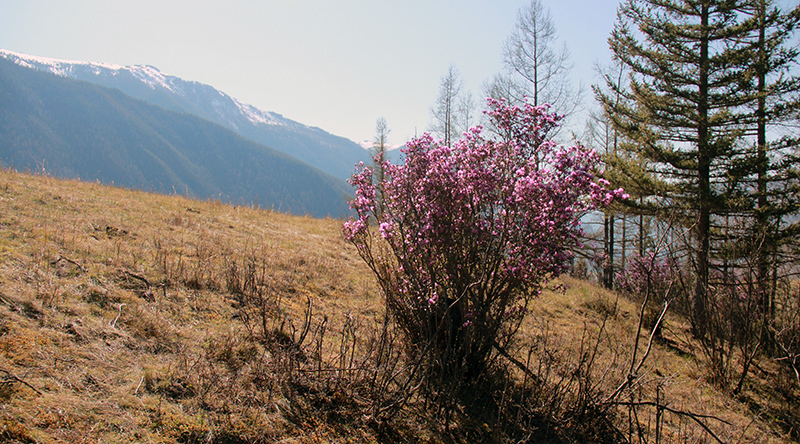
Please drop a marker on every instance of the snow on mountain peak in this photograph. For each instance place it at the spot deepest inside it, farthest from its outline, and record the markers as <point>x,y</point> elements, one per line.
<point>59,65</point>
<point>257,116</point>
<point>150,76</point>
<point>332,154</point>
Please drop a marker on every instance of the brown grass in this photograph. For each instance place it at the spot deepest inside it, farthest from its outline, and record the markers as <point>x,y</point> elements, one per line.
<point>674,370</point>
<point>120,322</point>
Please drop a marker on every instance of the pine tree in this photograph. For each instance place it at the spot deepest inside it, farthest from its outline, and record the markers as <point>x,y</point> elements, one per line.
<point>628,170</point>
<point>684,111</point>
<point>772,168</point>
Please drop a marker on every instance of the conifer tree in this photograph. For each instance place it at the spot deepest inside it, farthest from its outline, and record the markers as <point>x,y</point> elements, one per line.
<point>628,171</point>
<point>772,167</point>
<point>684,111</point>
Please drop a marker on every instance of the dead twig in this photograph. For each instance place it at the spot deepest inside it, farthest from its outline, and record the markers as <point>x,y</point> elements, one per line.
<point>696,417</point>
<point>135,392</point>
<point>635,371</point>
<point>517,363</point>
<point>68,260</point>
<point>137,277</point>
<point>10,375</point>
<point>113,323</point>
<point>148,291</point>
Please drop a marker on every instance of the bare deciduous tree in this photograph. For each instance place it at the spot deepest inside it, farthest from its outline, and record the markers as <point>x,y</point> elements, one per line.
<point>380,146</point>
<point>536,67</point>
<point>447,107</point>
<point>465,112</point>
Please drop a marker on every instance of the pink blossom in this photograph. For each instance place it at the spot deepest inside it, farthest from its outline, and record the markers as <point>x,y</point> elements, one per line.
<point>484,222</point>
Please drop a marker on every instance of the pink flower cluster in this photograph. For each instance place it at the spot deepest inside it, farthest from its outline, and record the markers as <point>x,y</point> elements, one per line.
<point>648,273</point>
<point>473,225</point>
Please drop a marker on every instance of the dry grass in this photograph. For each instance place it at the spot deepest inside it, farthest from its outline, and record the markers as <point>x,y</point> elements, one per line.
<point>120,322</point>
<point>674,371</point>
<point>108,294</point>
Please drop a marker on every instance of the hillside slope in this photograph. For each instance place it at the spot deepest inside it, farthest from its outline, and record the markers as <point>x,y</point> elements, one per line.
<point>79,130</point>
<point>329,153</point>
<point>128,316</point>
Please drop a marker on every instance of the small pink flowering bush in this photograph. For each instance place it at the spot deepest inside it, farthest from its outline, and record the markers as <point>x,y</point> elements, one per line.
<point>649,274</point>
<point>653,280</point>
<point>469,233</point>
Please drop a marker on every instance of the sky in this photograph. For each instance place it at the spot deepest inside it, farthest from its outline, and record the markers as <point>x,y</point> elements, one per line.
<point>334,64</point>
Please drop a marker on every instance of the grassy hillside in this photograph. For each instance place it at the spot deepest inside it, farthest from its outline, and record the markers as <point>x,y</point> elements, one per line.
<point>75,129</point>
<point>135,317</point>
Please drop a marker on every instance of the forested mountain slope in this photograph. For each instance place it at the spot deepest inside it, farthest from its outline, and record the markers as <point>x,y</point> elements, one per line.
<point>74,129</point>
<point>332,154</point>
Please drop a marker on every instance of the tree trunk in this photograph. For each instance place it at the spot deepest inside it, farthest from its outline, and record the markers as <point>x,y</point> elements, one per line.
<point>703,228</point>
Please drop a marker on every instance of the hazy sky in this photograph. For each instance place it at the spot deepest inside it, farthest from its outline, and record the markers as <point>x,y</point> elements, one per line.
<point>335,64</point>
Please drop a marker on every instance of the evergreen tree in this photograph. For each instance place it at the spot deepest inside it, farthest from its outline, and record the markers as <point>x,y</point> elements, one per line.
<point>629,172</point>
<point>770,177</point>
<point>685,111</point>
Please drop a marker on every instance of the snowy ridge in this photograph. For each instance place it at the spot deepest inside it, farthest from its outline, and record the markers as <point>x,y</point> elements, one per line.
<point>257,116</point>
<point>150,76</point>
<point>67,68</point>
<point>56,66</point>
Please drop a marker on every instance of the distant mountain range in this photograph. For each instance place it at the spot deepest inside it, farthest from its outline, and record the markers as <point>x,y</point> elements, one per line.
<point>72,128</point>
<point>332,154</point>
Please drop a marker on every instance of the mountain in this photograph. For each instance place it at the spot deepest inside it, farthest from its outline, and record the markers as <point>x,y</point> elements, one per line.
<point>71,128</point>
<point>332,154</point>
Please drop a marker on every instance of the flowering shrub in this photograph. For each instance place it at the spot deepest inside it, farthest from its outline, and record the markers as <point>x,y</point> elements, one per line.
<point>470,232</point>
<point>652,280</point>
<point>648,273</point>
